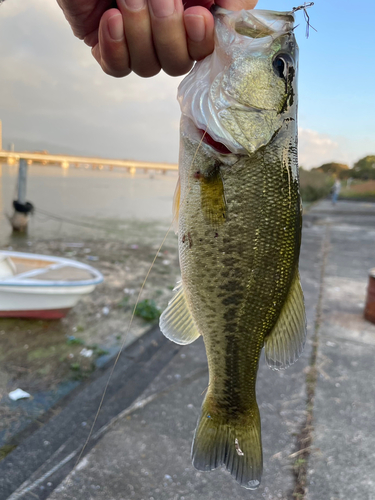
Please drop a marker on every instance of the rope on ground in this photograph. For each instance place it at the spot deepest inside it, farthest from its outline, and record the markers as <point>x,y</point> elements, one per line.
<point>59,218</point>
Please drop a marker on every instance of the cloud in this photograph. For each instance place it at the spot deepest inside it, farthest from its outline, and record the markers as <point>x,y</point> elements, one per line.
<point>52,90</point>
<point>315,148</point>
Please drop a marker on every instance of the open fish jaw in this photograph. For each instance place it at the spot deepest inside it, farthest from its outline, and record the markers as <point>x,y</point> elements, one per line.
<point>219,92</point>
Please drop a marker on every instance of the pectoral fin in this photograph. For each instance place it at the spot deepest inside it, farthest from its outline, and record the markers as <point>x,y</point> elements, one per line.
<point>176,322</point>
<point>285,343</point>
<point>213,202</point>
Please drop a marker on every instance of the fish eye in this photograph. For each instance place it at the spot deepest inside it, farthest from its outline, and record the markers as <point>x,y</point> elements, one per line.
<point>281,63</point>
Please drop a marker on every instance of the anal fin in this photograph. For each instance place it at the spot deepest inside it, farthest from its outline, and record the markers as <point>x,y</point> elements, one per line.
<point>285,343</point>
<point>176,322</point>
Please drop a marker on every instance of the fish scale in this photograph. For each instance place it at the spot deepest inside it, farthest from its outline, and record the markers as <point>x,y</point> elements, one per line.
<point>241,302</point>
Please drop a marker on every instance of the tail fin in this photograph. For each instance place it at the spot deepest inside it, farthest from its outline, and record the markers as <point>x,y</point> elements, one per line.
<point>234,443</point>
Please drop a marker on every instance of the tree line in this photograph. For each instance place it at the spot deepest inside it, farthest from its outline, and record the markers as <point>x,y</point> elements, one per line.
<point>364,169</point>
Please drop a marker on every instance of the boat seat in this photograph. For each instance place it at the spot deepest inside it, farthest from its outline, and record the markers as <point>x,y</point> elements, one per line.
<point>66,273</point>
<point>7,267</point>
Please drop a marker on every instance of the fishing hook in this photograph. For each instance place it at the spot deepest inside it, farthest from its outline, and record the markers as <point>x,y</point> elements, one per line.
<point>304,7</point>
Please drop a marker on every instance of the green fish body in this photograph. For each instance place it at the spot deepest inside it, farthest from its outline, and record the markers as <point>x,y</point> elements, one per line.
<point>239,229</point>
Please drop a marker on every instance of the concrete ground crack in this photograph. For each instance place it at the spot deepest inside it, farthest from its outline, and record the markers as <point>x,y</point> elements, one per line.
<point>305,437</point>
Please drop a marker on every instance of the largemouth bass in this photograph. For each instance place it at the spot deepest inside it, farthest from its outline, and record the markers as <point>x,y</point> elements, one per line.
<point>239,228</point>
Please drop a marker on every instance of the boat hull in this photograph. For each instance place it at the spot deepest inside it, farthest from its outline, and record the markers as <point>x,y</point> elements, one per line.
<point>40,302</point>
<point>43,287</point>
<point>36,314</point>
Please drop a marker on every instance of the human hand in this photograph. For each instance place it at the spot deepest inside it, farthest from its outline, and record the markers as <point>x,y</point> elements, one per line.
<point>146,36</point>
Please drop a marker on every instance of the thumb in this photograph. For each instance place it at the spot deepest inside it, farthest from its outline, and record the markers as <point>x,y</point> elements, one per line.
<point>236,4</point>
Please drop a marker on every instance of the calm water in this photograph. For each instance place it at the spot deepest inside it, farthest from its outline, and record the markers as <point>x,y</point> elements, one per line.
<point>97,201</point>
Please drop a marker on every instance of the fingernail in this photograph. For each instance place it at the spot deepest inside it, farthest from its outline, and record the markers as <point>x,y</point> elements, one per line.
<point>162,8</point>
<point>116,27</point>
<point>195,27</point>
<point>135,5</point>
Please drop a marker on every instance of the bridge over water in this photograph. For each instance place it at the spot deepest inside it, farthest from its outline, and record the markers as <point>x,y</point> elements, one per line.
<point>66,161</point>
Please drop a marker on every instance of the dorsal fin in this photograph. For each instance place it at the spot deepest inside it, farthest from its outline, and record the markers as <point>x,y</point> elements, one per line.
<point>285,343</point>
<point>176,322</point>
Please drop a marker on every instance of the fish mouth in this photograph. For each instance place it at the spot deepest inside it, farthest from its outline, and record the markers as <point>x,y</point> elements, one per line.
<point>217,146</point>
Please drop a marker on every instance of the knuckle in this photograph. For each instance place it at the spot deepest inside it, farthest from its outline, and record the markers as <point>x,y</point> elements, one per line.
<point>199,51</point>
<point>113,71</point>
<point>179,69</point>
<point>147,72</point>
<point>198,56</point>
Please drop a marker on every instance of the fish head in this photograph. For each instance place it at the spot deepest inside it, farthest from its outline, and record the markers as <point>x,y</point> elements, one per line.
<point>243,93</point>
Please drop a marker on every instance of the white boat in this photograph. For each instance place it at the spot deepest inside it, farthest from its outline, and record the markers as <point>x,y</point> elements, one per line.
<point>40,286</point>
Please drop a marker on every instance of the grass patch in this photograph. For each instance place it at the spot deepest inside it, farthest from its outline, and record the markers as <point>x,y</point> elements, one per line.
<point>79,372</point>
<point>41,353</point>
<point>98,351</point>
<point>147,310</point>
<point>359,191</point>
<point>124,302</point>
<point>75,341</point>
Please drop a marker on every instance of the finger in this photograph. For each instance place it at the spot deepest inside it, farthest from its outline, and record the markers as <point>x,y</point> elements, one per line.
<point>95,51</point>
<point>168,31</point>
<point>114,56</point>
<point>137,26</point>
<point>237,4</point>
<point>199,25</point>
<point>83,17</point>
<point>92,38</point>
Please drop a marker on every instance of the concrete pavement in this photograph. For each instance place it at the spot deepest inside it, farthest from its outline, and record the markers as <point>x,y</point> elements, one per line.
<point>144,451</point>
<point>342,463</point>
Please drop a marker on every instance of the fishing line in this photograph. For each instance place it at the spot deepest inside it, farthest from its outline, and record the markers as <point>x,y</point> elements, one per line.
<point>133,312</point>
<point>304,7</point>
<point>123,343</point>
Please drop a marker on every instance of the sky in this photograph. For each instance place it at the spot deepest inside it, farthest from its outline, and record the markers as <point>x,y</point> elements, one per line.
<point>54,96</point>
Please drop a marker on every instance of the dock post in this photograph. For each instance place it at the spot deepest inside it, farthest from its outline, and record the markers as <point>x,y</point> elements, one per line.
<point>22,182</point>
<point>22,208</point>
